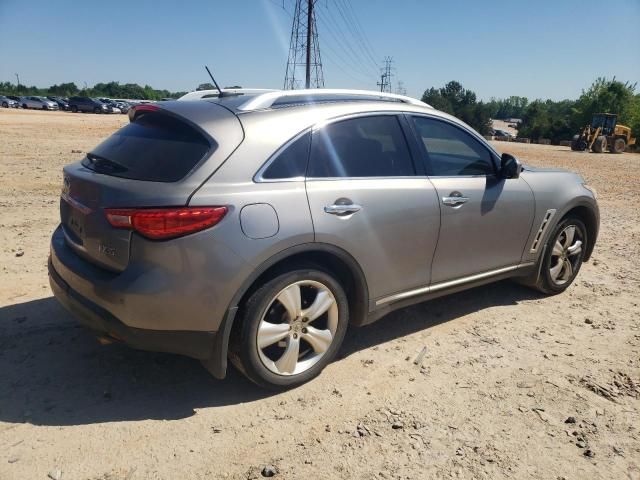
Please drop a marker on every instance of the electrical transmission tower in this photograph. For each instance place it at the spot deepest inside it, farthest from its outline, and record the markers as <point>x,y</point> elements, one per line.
<point>385,77</point>
<point>400,89</point>
<point>304,50</point>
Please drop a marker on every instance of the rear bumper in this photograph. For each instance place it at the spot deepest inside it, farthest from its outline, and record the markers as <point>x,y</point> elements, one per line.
<point>198,345</point>
<point>143,306</point>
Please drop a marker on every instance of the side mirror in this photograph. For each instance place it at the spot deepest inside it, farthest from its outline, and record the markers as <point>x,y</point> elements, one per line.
<point>510,166</point>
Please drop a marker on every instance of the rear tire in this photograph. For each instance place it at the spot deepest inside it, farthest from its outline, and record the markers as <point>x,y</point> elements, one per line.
<point>562,258</point>
<point>74,109</point>
<point>575,143</point>
<point>5,105</point>
<point>600,145</point>
<point>618,146</point>
<point>282,342</point>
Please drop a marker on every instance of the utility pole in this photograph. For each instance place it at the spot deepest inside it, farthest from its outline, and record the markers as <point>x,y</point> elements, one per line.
<point>304,50</point>
<point>385,82</point>
<point>382,83</point>
<point>400,90</point>
<point>18,78</point>
<point>307,82</point>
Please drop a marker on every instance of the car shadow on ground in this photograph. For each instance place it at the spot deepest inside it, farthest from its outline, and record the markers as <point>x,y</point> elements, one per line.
<point>54,372</point>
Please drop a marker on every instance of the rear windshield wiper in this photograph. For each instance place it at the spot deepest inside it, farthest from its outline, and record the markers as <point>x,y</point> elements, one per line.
<point>102,164</point>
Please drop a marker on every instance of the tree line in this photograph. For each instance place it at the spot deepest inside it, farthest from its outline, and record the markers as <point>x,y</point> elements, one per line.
<point>111,90</point>
<point>555,120</point>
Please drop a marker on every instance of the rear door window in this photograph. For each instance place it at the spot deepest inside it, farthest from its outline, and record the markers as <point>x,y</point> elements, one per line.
<point>370,146</point>
<point>154,147</point>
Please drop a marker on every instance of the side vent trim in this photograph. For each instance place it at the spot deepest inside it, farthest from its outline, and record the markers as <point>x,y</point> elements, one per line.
<point>546,221</point>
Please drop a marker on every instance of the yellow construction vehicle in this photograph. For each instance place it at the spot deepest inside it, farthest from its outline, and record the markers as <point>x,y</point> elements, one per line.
<point>603,134</point>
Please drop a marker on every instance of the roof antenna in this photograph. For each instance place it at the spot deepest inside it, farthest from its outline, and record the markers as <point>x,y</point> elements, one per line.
<point>221,93</point>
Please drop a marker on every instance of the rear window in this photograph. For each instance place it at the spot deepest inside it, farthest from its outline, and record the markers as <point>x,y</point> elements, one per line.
<point>155,147</point>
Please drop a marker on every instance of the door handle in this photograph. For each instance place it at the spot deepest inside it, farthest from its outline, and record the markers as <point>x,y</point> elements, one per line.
<point>342,209</point>
<point>454,201</point>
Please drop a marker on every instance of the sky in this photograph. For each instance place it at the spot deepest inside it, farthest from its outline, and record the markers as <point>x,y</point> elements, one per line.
<point>538,49</point>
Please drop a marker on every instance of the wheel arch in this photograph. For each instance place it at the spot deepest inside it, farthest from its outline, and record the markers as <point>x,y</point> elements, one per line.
<point>326,257</point>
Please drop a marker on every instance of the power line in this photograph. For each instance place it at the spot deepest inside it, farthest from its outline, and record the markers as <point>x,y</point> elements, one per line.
<point>355,48</point>
<point>347,67</point>
<point>282,7</point>
<point>345,9</point>
<point>359,30</point>
<point>338,36</point>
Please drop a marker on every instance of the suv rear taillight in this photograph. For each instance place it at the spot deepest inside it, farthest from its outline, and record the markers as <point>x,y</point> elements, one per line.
<point>165,223</point>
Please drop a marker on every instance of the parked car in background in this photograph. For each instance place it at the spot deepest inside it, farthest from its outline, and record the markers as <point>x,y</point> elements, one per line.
<point>17,98</point>
<point>39,103</point>
<point>63,103</point>
<point>121,106</point>
<point>87,104</point>
<point>178,234</point>
<point>502,133</point>
<point>7,102</point>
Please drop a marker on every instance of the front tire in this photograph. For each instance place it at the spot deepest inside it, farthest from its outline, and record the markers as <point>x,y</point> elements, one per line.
<point>292,327</point>
<point>600,144</point>
<point>563,256</point>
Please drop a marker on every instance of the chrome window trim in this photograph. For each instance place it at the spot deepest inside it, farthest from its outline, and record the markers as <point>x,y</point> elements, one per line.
<point>450,283</point>
<point>335,179</point>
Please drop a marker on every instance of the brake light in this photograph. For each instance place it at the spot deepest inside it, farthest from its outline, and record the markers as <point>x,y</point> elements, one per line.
<point>165,223</point>
<point>144,107</point>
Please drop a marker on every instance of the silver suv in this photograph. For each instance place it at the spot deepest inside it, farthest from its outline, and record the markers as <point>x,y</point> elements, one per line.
<point>258,226</point>
<point>38,103</point>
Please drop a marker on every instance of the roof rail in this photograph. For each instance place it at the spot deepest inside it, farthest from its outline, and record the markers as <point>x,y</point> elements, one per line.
<point>294,97</point>
<point>214,93</point>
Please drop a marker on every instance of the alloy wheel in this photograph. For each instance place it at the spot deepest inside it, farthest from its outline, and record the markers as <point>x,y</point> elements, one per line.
<point>565,256</point>
<point>297,328</point>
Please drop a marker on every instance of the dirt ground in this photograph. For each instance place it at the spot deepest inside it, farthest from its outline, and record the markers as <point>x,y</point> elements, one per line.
<point>513,384</point>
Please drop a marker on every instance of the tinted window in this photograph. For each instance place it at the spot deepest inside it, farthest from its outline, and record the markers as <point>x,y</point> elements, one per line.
<point>360,147</point>
<point>290,162</point>
<point>155,147</point>
<point>451,150</point>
